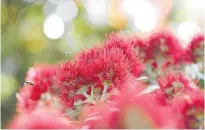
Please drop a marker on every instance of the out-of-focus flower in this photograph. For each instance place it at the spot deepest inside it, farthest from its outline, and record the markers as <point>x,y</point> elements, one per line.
<point>40,76</point>
<point>165,45</point>
<point>190,109</point>
<point>38,80</point>
<point>169,81</point>
<point>140,47</point>
<point>26,98</point>
<point>41,119</point>
<point>196,48</point>
<point>174,84</point>
<point>129,111</point>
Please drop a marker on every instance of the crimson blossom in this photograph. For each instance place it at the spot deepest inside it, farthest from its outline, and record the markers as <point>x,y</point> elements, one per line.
<point>127,82</point>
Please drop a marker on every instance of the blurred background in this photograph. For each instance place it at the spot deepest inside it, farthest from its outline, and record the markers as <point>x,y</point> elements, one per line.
<point>42,31</point>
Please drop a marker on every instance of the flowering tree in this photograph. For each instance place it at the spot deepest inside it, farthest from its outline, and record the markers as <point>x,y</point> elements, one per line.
<point>126,83</point>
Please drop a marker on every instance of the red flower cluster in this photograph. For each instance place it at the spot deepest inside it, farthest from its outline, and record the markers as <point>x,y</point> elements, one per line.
<point>38,80</point>
<point>111,86</point>
<point>196,48</point>
<point>101,69</point>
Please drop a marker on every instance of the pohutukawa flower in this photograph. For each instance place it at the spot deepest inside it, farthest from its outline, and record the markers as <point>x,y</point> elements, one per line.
<point>189,109</point>
<point>107,87</point>
<point>40,76</point>
<point>38,80</point>
<point>164,43</point>
<point>196,48</point>
<point>126,45</point>
<point>174,84</point>
<point>102,68</point>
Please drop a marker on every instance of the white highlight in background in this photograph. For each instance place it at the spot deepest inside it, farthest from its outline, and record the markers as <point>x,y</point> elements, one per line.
<point>53,27</point>
<point>29,1</point>
<point>97,11</point>
<point>67,10</point>
<point>143,12</point>
<point>54,1</point>
<point>187,30</point>
<point>192,9</point>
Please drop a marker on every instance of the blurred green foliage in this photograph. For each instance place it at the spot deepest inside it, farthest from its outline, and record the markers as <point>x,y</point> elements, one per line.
<point>24,43</point>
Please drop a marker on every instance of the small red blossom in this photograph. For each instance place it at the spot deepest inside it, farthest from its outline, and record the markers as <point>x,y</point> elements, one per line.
<point>171,80</point>
<point>189,109</point>
<point>166,43</point>
<point>196,47</point>
<point>41,76</point>
<point>172,86</point>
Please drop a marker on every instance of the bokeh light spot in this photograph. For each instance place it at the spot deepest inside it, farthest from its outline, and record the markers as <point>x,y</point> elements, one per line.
<point>67,10</point>
<point>143,12</point>
<point>53,27</point>
<point>187,30</point>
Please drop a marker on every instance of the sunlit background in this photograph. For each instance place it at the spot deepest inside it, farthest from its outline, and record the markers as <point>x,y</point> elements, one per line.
<point>35,31</point>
